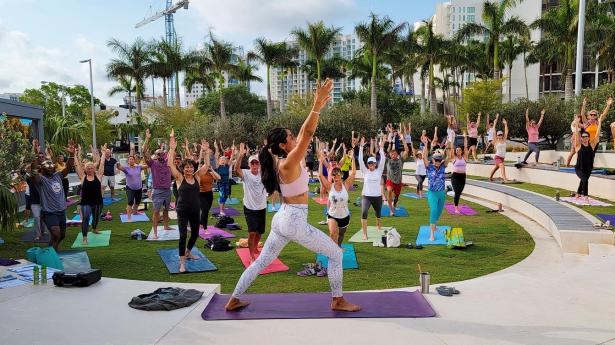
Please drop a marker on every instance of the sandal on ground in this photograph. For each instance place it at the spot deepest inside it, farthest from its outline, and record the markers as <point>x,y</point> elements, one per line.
<point>322,272</point>
<point>444,291</point>
<point>307,271</point>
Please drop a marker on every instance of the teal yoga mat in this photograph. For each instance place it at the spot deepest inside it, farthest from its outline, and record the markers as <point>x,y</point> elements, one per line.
<point>170,257</point>
<point>107,200</point>
<point>75,261</point>
<point>349,260</point>
<point>410,195</point>
<point>440,235</point>
<point>273,208</point>
<point>400,211</point>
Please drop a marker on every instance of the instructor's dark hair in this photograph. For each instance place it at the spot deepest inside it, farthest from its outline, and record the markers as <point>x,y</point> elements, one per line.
<point>269,175</point>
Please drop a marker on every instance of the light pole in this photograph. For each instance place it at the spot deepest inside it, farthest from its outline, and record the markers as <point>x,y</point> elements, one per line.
<point>578,82</point>
<point>89,61</point>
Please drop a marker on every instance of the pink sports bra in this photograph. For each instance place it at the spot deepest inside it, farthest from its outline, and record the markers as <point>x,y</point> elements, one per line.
<point>459,165</point>
<point>297,187</point>
<point>472,131</point>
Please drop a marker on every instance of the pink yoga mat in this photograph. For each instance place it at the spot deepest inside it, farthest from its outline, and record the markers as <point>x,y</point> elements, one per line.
<point>275,266</point>
<point>464,209</point>
<point>213,231</point>
<point>321,201</point>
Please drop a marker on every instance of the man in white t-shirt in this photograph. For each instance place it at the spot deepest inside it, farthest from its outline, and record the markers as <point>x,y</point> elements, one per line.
<point>254,199</point>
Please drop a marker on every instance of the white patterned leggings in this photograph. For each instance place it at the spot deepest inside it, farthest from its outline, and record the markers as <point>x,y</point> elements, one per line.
<point>290,224</point>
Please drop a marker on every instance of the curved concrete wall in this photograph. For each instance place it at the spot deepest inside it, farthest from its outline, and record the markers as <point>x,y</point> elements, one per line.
<point>603,159</point>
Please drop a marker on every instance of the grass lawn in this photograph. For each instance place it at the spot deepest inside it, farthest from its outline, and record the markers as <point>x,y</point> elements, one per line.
<point>499,243</point>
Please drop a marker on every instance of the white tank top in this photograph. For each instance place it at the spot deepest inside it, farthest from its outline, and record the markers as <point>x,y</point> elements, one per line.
<point>420,167</point>
<point>490,133</point>
<point>338,203</point>
<point>500,150</point>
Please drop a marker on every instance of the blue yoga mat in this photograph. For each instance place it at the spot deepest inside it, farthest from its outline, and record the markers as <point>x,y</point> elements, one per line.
<point>108,201</point>
<point>140,217</point>
<point>595,171</point>
<point>410,195</point>
<point>77,218</point>
<point>75,261</point>
<point>609,217</point>
<point>170,257</point>
<point>232,201</point>
<point>440,237</point>
<point>273,208</point>
<point>314,180</point>
<point>400,211</point>
<point>348,262</point>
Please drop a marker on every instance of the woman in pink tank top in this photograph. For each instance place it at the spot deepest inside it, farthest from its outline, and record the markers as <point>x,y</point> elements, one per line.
<point>288,177</point>
<point>532,133</point>
<point>473,134</point>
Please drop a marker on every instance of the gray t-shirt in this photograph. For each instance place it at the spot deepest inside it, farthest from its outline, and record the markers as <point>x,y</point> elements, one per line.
<point>254,193</point>
<point>394,170</point>
<point>52,193</point>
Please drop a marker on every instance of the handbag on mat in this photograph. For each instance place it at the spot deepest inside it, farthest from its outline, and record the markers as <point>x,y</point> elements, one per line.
<point>455,238</point>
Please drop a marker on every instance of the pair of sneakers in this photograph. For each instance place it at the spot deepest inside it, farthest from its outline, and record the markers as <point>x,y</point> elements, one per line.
<point>313,269</point>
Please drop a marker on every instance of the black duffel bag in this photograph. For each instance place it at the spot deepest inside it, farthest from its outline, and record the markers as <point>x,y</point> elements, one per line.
<point>80,279</point>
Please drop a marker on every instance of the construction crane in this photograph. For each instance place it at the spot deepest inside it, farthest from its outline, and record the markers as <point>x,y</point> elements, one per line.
<point>170,34</point>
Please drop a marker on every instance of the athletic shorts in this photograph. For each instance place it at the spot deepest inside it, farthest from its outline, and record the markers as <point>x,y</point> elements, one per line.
<point>255,219</point>
<point>499,160</point>
<point>310,166</point>
<point>52,219</point>
<point>28,203</point>
<point>341,222</point>
<point>108,181</point>
<point>396,187</point>
<point>160,198</point>
<point>472,141</point>
<point>134,196</point>
<point>225,191</point>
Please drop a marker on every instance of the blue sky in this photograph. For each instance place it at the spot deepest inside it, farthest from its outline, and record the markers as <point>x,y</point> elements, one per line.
<point>45,39</point>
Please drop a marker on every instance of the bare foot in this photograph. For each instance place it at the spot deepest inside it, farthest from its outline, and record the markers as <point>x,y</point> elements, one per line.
<point>340,304</point>
<point>189,255</point>
<point>168,228</point>
<point>234,304</point>
<point>84,242</point>
<point>457,210</point>
<point>96,231</point>
<point>182,268</point>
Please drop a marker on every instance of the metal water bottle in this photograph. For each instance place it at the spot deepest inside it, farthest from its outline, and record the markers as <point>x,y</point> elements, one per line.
<point>557,195</point>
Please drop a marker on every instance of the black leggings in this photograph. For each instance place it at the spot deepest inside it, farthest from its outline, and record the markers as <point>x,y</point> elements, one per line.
<point>183,218</point>
<point>86,212</point>
<point>419,182</point>
<point>65,187</point>
<point>206,198</point>
<point>458,180</point>
<point>373,201</point>
<point>584,183</point>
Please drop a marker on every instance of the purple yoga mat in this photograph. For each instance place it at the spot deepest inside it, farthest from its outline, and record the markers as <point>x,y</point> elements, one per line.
<point>464,209</point>
<point>393,304</point>
<point>605,217</point>
<point>213,231</point>
<point>229,211</point>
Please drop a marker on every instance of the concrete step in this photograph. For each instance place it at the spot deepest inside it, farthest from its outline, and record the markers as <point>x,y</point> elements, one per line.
<point>601,250</point>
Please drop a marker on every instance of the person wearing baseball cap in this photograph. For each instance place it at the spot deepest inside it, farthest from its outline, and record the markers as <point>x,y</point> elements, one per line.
<point>437,189</point>
<point>371,194</point>
<point>254,199</point>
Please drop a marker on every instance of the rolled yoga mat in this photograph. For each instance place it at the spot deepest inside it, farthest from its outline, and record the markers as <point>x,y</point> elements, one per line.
<point>389,304</point>
<point>275,266</point>
<point>170,257</point>
<point>94,240</point>
<point>440,235</point>
<point>373,235</point>
<point>229,211</point>
<point>349,260</point>
<point>464,210</point>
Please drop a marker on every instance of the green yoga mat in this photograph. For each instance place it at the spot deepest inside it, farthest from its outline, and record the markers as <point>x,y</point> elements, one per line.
<point>94,240</point>
<point>373,235</point>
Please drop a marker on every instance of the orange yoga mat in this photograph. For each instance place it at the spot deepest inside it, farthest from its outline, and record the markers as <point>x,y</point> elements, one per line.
<point>275,266</point>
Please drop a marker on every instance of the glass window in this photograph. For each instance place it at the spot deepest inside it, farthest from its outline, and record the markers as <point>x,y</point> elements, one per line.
<point>471,9</point>
<point>453,9</point>
<point>471,18</point>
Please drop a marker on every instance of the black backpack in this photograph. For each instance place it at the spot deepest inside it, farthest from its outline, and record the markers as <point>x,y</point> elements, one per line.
<point>223,221</point>
<point>218,244</point>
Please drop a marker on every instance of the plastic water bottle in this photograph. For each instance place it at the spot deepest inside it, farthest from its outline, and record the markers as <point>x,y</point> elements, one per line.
<point>44,274</point>
<point>139,235</point>
<point>35,275</point>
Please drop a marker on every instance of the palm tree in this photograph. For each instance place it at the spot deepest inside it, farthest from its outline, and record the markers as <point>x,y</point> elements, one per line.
<point>332,68</point>
<point>559,35</point>
<point>601,37</point>
<point>526,45</point>
<point>177,59</point>
<point>361,68</point>
<point>245,72</point>
<point>199,73</point>
<point>159,67</point>
<point>271,55</point>
<point>497,25</point>
<point>430,53</point>
<point>125,85</point>
<point>378,35</point>
<point>317,42</point>
<point>510,49</point>
<point>220,55</point>
<point>131,62</point>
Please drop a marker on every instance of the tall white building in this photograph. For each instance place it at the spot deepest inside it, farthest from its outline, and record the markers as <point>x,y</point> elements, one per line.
<point>284,85</point>
<point>12,96</point>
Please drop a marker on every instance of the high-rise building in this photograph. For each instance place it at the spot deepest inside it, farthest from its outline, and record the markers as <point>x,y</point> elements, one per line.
<point>284,85</point>
<point>13,96</point>
<point>199,90</point>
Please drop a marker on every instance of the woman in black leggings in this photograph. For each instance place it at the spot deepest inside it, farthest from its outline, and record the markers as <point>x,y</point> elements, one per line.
<point>91,192</point>
<point>188,206</point>
<point>458,178</point>
<point>586,151</point>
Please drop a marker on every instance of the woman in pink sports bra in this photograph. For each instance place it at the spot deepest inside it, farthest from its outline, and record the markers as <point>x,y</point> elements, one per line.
<point>287,176</point>
<point>473,134</point>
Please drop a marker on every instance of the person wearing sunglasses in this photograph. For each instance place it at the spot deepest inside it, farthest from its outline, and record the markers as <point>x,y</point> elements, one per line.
<point>371,196</point>
<point>586,152</point>
<point>500,150</point>
<point>436,169</point>
<point>254,199</point>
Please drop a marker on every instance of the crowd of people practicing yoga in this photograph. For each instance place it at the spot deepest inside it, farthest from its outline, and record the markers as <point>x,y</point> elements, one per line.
<point>281,169</point>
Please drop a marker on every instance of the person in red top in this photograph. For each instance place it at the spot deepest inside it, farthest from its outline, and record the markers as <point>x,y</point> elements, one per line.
<point>532,132</point>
